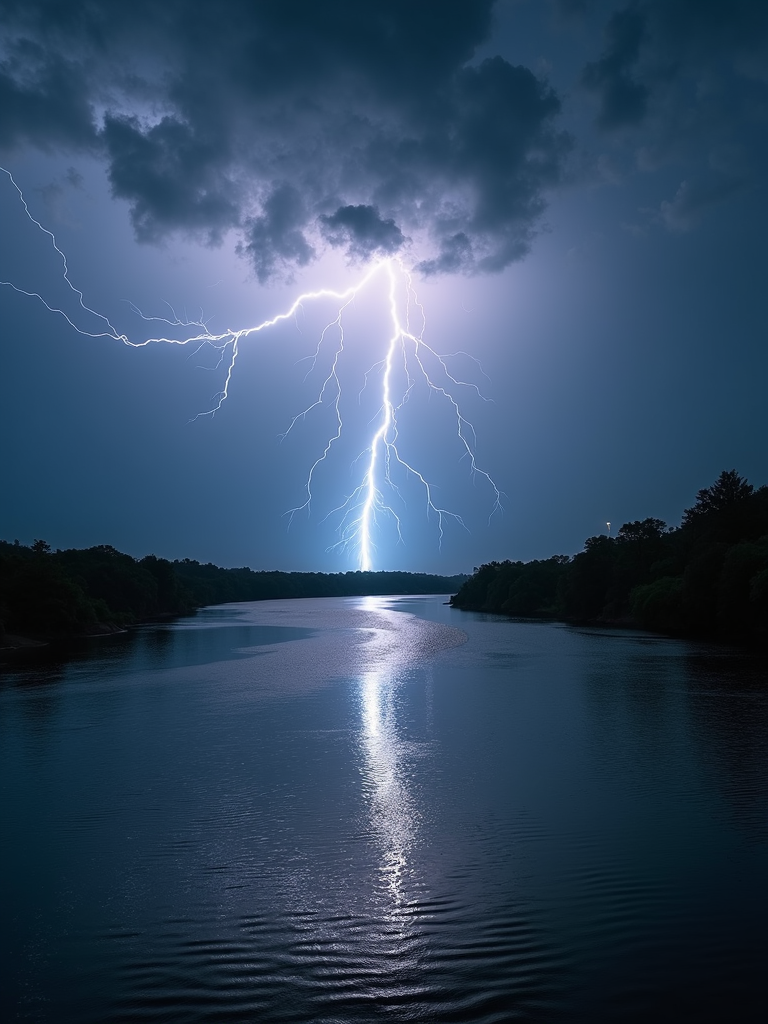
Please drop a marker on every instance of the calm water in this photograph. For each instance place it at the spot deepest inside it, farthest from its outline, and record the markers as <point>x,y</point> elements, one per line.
<point>384,810</point>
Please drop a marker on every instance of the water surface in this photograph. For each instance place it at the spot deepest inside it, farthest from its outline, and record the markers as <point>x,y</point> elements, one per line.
<point>383,809</point>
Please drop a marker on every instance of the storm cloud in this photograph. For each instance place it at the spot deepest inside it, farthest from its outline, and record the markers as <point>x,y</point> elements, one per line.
<point>623,100</point>
<point>362,231</point>
<point>684,83</point>
<point>295,125</point>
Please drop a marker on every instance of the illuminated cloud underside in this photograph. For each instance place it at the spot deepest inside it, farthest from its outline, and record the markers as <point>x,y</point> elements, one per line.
<point>377,492</point>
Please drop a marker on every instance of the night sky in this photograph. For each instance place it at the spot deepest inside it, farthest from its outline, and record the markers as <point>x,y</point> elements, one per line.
<point>579,190</point>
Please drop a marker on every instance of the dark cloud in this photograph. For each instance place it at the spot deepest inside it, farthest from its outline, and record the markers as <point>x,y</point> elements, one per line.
<point>44,100</point>
<point>693,199</point>
<point>685,83</point>
<point>455,253</point>
<point>172,177</point>
<point>362,231</point>
<point>623,100</point>
<point>275,240</point>
<point>295,124</point>
<point>659,52</point>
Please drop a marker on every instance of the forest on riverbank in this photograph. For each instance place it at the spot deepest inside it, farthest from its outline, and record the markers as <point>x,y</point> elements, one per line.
<point>706,578</point>
<point>47,594</point>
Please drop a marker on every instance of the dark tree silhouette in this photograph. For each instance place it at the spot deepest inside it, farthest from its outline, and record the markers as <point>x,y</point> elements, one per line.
<point>642,530</point>
<point>728,490</point>
<point>708,578</point>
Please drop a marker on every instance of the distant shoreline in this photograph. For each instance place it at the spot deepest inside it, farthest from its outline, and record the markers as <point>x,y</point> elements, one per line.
<point>51,596</point>
<point>704,580</point>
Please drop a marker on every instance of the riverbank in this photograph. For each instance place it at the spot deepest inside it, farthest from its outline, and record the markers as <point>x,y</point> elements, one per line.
<point>706,579</point>
<point>47,595</point>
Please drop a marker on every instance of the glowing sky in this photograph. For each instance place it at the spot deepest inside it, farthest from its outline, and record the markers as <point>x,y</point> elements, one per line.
<point>579,188</point>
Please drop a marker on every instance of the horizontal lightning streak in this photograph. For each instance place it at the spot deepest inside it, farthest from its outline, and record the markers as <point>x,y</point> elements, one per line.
<point>361,510</point>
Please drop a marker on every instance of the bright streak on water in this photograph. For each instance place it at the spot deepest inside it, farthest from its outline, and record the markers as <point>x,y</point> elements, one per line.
<point>391,815</point>
<point>350,811</point>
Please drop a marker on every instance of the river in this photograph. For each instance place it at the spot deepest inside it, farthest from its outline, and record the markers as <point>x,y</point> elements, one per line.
<point>383,809</point>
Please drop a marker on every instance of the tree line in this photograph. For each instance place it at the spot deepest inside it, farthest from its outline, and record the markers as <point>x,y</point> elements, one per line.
<point>706,578</point>
<point>48,594</point>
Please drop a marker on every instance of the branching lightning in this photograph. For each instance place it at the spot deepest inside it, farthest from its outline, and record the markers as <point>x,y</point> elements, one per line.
<point>406,352</point>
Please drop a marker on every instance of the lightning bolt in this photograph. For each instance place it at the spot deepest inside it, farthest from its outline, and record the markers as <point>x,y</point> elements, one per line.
<point>406,351</point>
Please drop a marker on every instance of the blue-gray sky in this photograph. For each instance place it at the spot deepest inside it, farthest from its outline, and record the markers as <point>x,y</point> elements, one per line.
<point>579,187</point>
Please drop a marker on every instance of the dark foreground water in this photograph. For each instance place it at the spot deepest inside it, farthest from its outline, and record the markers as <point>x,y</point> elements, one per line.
<point>384,810</point>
